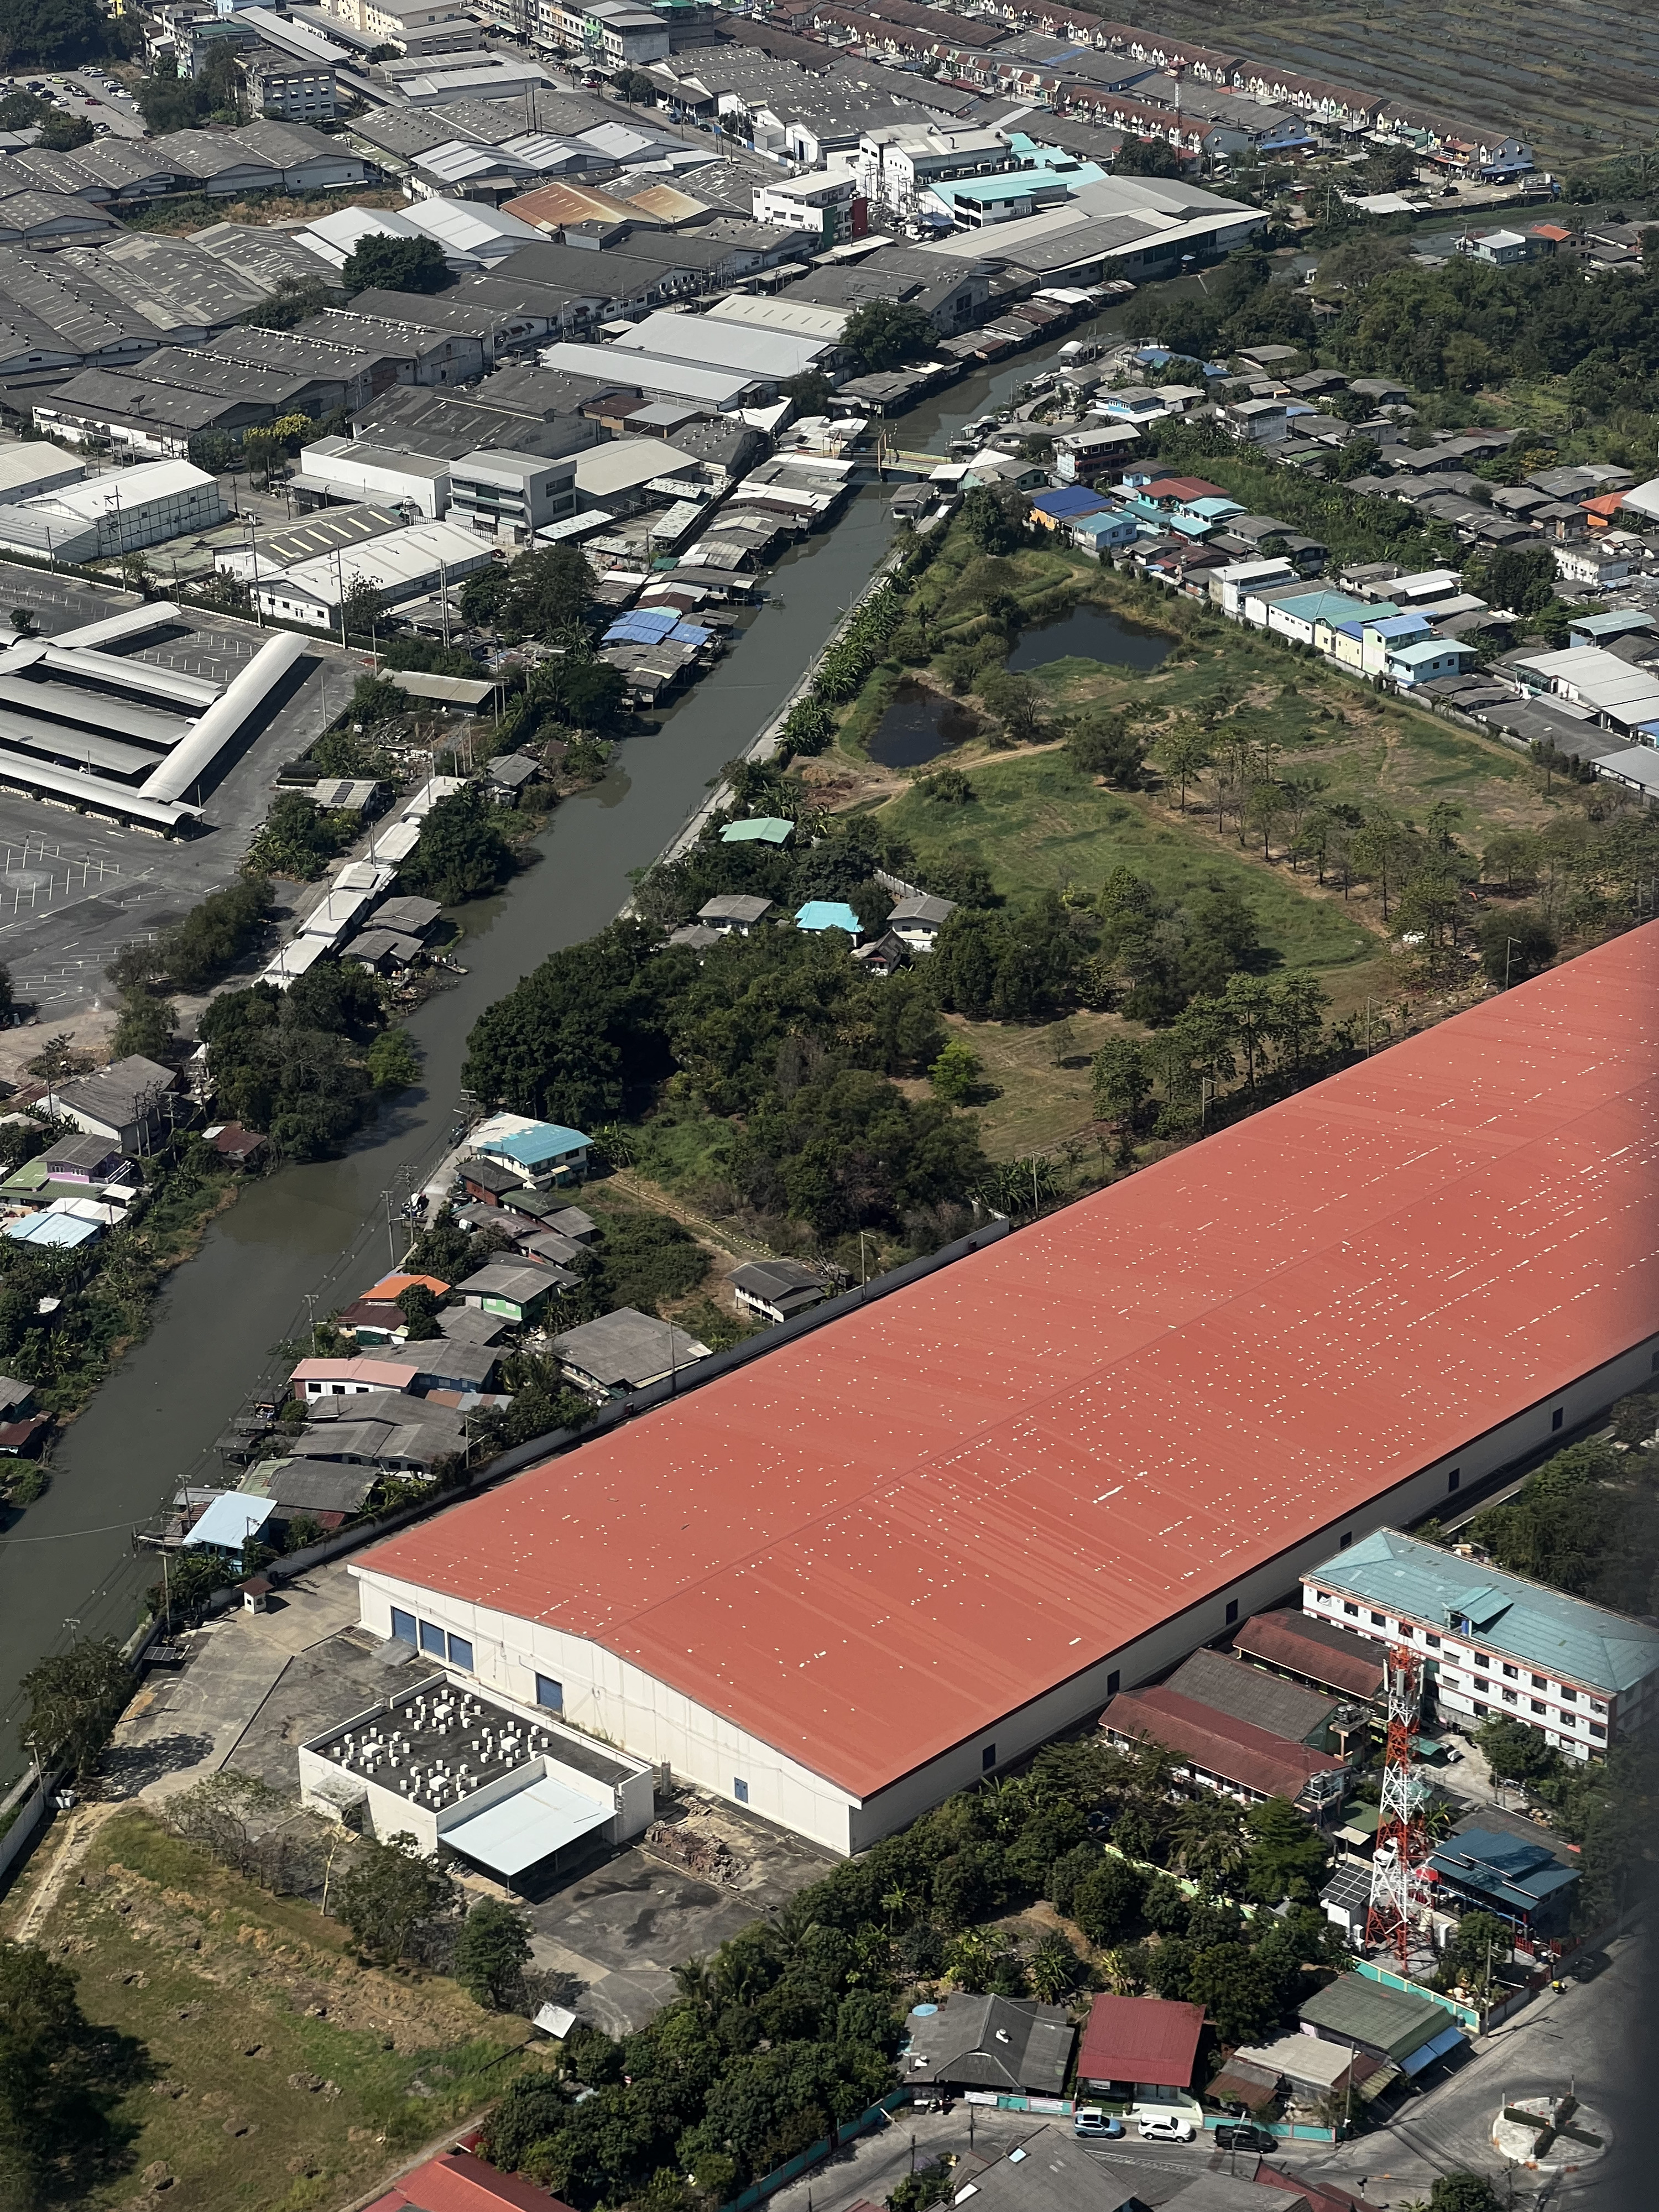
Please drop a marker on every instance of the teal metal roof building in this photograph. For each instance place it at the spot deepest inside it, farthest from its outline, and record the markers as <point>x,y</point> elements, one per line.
<point>829,913</point>
<point>1503,1647</point>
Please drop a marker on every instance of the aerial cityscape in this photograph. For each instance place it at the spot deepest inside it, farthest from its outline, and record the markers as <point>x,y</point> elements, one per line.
<point>828,969</point>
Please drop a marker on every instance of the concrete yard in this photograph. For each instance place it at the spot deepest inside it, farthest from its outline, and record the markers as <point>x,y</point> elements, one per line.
<point>256,1685</point>
<point>74,888</point>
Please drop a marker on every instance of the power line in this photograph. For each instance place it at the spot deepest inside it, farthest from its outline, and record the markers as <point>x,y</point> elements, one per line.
<point>68,1536</point>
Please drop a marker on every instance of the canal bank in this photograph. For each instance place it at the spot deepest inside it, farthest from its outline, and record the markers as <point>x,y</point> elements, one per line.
<point>319,1232</point>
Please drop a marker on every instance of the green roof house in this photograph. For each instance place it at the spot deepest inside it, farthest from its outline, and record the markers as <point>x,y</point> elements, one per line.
<point>1405,2026</point>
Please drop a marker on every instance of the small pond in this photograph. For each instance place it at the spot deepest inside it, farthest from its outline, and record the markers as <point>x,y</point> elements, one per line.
<point>919,725</point>
<point>1091,633</point>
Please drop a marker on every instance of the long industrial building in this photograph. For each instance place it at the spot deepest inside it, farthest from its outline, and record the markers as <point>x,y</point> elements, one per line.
<point>899,1551</point>
<point>115,735</point>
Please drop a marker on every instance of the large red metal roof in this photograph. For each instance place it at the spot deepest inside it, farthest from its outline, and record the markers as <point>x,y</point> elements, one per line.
<point>1140,2040</point>
<point>881,1538</point>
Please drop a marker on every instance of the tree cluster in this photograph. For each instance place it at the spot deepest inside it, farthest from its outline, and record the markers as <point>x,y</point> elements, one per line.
<point>53,33</point>
<point>792,2027</point>
<point>781,1033</point>
<point>460,853</point>
<point>299,838</point>
<point>63,2137</point>
<point>294,1063</point>
<point>395,265</point>
<point>886,334</point>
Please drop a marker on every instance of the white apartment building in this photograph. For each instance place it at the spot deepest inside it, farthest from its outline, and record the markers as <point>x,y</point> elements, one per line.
<point>820,203</point>
<point>1495,1645</point>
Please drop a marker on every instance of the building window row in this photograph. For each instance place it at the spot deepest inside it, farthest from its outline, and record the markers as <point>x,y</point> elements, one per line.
<point>427,1636</point>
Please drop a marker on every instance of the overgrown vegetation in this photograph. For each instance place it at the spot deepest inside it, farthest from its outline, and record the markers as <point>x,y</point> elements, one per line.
<point>232,2045</point>
<point>793,2026</point>
<point>300,1064</point>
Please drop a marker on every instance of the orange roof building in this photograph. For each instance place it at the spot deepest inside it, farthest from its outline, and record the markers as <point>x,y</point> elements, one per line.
<point>903,1547</point>
<point>458,2181</point>
<point>391,1288</point>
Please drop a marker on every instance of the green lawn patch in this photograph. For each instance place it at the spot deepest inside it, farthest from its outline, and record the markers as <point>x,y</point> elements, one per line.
<point>1036,825</point>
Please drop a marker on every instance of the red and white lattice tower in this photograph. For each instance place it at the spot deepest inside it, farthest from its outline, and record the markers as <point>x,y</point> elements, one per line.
<point>1396,1903</point>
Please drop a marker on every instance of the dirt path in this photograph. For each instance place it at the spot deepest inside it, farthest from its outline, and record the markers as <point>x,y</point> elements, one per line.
<point>707,1231</point>
<point>83,1826</point>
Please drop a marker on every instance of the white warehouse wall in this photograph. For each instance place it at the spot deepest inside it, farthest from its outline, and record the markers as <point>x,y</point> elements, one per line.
<point>621,1703</point>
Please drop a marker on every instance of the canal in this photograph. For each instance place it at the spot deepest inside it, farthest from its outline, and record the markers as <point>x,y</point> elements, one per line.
<point>68,1567</point>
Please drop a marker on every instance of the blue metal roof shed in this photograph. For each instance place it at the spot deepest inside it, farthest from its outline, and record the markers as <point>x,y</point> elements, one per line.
<point>537,1147</point>
<point>229,1522</point>
<point>1067,504</point>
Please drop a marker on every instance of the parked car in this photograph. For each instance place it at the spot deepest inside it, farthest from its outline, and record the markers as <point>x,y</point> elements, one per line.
<point>1166,2127</point>
<point>1089,2120</point>
<point>1244,2136</point>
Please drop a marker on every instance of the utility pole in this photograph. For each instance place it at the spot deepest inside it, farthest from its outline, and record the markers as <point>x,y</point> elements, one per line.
<point>1510,943</point>
<point>251,527</point>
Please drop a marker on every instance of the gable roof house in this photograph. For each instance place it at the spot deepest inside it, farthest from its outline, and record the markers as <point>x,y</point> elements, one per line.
<point>132,1102</point>
<point>1006,2044</point>
<point>779,1289</point>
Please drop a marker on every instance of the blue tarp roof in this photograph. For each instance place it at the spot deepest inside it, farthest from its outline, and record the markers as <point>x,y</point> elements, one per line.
<point>828,914</point>
<point>1447,2039</point>
<point>65,1230</point>
<point>654,626</point>
<point>651,623</point>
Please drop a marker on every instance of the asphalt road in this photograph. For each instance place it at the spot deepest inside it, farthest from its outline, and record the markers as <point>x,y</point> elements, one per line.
<point>1586,2041</point>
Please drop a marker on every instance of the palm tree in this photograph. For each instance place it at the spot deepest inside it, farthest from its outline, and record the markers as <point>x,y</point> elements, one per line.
<point>1054,1967</point>
<point>692,1978</point>
<point>897,1900</point>
<point>975,1956</point>
<point>1209,1842</point>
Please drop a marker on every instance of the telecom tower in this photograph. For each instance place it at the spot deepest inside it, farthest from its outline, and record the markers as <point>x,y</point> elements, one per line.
<point>1396,1901</point>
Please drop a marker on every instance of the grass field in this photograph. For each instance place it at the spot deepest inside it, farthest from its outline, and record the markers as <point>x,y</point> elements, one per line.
<point>1037,824</point>
<point>282,2076</point>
